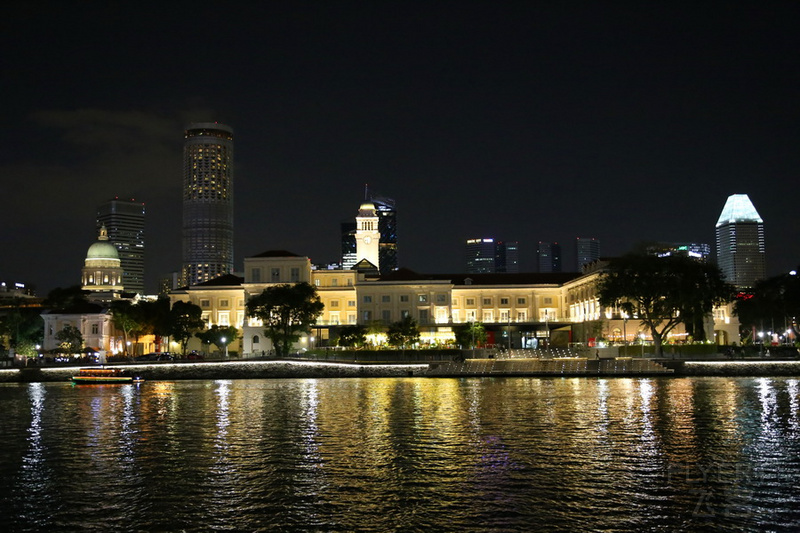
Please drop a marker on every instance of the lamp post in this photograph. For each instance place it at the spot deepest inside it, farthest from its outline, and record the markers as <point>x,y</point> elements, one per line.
<point>224,341</point>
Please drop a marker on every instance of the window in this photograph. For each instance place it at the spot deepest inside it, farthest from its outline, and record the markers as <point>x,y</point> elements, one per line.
<point>520,301</point>
<point>386,298</point>
<point>548,300</point>
<point>367,299</point>
<point>504,316</point>
<point>386,316</point>
<point>334,318</point>
<point>351,303</point>
<point>205,303</point>
<point>334,282</point>
<point>316,282</point>
<point>95,329</point>
<point>223,303</point>
<point>351,318</point>
<point>334,303</point>
<point>224,319</point>
<point>423,298</point>
<point>275,275</point>
<point>367,316</point>
<point>503,301</point>
<point>487,301</point>
<point>294,274</point>
<point>349,282</point>
<point>256,340</point>
<point>423,316</point>
<point>441,298</point>
<point>487,316</point>
<point>404,298</point>
<point>405,313</point>
<point>255,275</point>
<point>470,301</point>
<point>522,316</point>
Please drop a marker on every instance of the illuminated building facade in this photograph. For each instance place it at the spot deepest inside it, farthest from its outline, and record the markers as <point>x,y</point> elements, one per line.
<point>587,250</point>
<point>740,243</point>
<point>520,310</point>
<point>102,271</point>
<point>124,222</point>
<point>207,202</point>
<point>367,235</point>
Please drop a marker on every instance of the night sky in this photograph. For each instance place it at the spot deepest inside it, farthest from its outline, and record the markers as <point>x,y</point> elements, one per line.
<point>524,121</point>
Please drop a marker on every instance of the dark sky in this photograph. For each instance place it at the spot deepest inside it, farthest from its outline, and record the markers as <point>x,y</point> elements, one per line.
<point>525,121</point>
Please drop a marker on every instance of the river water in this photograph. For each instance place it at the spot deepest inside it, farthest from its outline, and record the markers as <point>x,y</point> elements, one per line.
<point>403,454</point>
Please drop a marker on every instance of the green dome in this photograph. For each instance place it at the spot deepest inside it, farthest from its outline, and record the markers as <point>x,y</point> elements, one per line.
<point>102,249</point>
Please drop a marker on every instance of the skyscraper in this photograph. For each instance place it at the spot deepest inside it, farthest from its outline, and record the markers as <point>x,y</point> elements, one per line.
<point>387,226</point>
<point>207,202</point>
<point>587,250</point>
<point>480,256</point>
<point>549,256</point>
<point>740,243</point>
<point>489,256</point>
<point>124,222</point>
<point>506,256</point>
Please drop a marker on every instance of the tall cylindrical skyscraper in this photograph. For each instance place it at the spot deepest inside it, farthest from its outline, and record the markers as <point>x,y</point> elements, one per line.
<point>207,202</point>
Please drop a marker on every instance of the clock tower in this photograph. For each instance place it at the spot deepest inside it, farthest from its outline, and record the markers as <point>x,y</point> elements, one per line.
<point>367,234</point>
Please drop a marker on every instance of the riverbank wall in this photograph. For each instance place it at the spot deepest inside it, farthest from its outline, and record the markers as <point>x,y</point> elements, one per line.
<point>563,367</point>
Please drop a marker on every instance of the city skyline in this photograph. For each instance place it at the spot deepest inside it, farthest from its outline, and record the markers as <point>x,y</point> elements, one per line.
<point>535,122</point>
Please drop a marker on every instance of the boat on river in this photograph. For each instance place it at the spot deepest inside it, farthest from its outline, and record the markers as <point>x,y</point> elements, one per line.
<point>104,376</point>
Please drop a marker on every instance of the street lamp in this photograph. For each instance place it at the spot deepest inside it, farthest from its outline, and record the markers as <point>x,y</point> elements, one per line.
<point>223,339</point>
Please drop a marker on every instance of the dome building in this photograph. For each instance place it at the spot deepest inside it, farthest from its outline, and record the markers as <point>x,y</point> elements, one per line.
<point>102,272</point>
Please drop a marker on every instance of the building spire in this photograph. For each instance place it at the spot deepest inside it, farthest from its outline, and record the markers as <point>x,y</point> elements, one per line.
<point>366,192</point>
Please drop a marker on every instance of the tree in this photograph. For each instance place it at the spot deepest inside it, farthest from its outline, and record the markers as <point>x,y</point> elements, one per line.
<point>126,319</point>
<point>663,292</point>
<point>221,336</point>
<point>286,311</point>
<point>773,303</point>
<point>403,333</point>
<point>354,335</point>
<point>185,319</point>
<point>23,328</point>
<point>70,339</point>
<point>470,334</point>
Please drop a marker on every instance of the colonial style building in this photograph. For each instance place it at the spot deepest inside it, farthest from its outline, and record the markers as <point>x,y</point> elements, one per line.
<point>518,310</point>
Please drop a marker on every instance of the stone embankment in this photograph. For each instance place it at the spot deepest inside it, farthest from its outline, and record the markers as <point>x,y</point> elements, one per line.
<point>489,367</point>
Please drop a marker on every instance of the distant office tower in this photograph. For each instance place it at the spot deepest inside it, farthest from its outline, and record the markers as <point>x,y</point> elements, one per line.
<point>387,226</point>
<point>549,256</point>
<point>488,256</point>
<point>506,257</point>
<point>740,242</point>
<point>207,202</point>
<point>587,250</point>
<point>480,256</point>
<point>349,258</point>
<point>124,222</point>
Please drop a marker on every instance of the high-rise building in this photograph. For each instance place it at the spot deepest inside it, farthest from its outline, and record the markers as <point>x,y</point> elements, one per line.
<point>348,244</point>
<point>489,256</point>
<point>207,202</point>
<point>740,243</point>
<point>549,256</point>
<point>507,257</point>
<point>587,250</point>
<point>124,222</point>
<point>387,227</point>
<point>480,256</point>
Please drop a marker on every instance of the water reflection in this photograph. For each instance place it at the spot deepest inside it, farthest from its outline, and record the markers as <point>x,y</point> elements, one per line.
<point>404,454</point>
